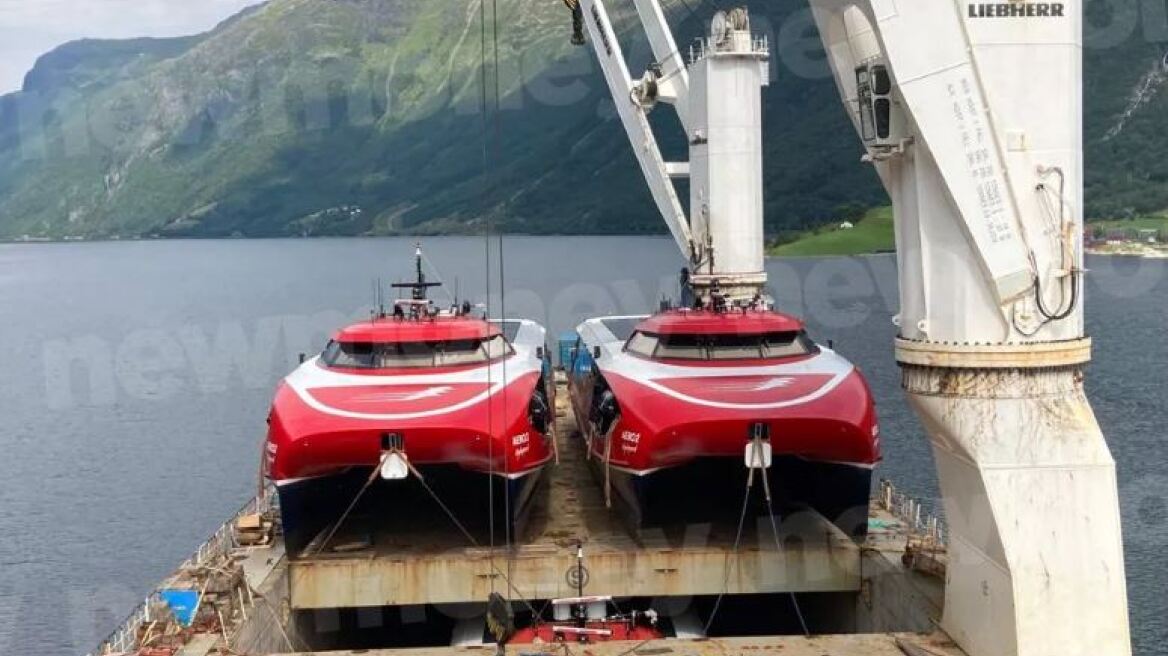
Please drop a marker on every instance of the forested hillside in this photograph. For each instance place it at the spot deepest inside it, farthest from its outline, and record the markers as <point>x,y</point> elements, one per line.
<point>313,117</point>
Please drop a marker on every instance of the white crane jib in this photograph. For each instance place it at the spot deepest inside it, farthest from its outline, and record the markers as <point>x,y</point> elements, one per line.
<point>972,115</point>
<point>717,96</point>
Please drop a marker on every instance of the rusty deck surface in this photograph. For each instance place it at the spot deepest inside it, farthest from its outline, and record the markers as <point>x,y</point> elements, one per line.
<point>834,645</point>
<point>403,559</point>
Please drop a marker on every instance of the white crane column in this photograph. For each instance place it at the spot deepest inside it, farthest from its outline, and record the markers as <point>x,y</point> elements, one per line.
<point>726,190</point>
<point>972,115</point>
<point>718,99</point>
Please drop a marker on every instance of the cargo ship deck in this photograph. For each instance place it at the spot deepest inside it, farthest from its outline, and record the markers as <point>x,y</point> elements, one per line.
<point>829,645</point>
<point>398,571</point>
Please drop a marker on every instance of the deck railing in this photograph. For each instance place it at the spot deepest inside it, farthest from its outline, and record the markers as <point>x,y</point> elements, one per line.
<point>920,522</point>
<point>124,639</point>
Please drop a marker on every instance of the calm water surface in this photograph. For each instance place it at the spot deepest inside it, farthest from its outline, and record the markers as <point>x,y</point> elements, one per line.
<point>135,378</point>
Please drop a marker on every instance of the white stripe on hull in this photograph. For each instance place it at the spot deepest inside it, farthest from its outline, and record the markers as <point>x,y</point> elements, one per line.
<point>647,372</point>
<point>311,375</point>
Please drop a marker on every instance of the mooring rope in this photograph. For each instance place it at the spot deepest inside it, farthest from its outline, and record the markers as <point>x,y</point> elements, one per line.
<point>471,538</point>
<point>757,458</point>
<point>766,486</point>
<point>352,504</point>
<point>737,541</point>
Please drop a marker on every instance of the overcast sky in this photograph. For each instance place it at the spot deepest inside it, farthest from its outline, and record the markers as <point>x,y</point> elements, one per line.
<point>30,28</point>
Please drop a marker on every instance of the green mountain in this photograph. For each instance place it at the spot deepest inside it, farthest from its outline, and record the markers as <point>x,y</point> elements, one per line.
<point>1126,109</point>
<point>305,117</point>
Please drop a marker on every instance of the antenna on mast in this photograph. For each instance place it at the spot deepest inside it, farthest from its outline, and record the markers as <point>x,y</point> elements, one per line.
<point>378,299</point>
<point>419,287</point>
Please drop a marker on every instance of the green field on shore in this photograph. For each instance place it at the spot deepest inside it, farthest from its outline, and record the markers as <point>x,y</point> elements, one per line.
<point>1158,222</point>
<point>871,234</point>
<point>874,234</point>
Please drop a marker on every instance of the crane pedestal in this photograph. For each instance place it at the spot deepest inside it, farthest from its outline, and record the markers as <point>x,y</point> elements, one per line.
<point>1030,498</point>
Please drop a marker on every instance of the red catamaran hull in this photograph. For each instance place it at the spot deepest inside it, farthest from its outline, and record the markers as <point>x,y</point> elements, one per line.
<point>330,427</point>
<point>678,425</point>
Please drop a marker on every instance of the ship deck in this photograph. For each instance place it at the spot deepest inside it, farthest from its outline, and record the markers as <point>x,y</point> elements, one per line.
<point>402,557</point>
<point>891,644</point>
<point>380,577</point>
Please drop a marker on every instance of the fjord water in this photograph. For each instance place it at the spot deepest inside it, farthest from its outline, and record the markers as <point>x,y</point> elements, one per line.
<point>135,379</point>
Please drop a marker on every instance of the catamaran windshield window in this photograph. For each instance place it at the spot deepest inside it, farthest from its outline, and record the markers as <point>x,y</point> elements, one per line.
<point>350,355</point>
<point>720,347</point>
<point>401,355</point>
<point>642,344</point>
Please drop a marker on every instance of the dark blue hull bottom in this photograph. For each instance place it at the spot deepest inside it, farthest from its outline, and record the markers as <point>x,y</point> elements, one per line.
<point>310,508</point>
<point>712,490</point>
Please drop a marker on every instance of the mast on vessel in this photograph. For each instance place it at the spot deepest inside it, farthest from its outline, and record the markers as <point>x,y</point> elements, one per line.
<point>419,287</point>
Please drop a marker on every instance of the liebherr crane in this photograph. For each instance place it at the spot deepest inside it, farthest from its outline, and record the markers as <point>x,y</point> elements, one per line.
<point>971,113</point>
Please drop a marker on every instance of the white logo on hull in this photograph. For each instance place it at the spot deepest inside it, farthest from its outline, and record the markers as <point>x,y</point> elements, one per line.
<point>778,382</point>
<point>405,397</point>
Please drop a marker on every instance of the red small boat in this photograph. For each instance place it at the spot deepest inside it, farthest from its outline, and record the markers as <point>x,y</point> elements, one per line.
<point>662,397</point>
<point>635,626</point>
<point>580,619</point>
<point>405,392</point>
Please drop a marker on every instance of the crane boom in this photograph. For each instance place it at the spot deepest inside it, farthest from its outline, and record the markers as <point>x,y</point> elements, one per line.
<point>673,87</point>
<point>636,123</point>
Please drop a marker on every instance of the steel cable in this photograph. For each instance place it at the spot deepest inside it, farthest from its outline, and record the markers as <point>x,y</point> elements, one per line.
<point>766,485</point>
<point>353,503</point>
<point>474,542</point>
<point>737,540</point>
